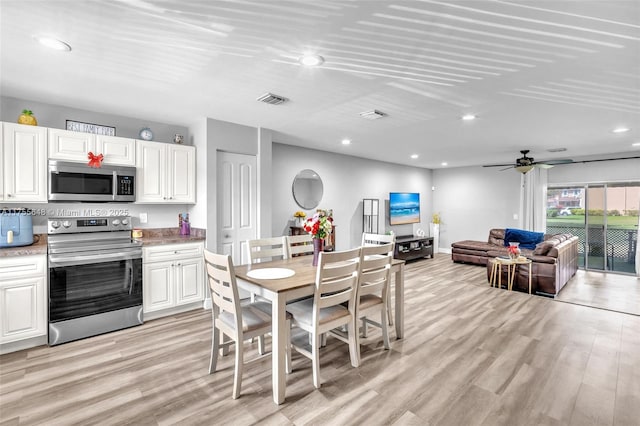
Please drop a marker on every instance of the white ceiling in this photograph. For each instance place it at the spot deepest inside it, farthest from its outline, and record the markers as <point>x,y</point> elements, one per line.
<point>539,74</point>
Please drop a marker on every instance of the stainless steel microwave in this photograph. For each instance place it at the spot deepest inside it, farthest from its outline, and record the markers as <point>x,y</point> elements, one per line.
<point>79,182</point>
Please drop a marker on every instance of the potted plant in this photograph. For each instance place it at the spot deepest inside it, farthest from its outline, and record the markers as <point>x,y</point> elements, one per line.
<point>435,231</point>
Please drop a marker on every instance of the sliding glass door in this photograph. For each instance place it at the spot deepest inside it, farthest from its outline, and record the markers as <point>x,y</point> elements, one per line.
<point>604,217</point>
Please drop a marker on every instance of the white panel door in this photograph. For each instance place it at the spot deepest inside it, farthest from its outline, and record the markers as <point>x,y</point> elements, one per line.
<point>24,163</point>
<point>181,177</point>
<point>116,151</point>
<point>237,204</point>
<point>151,164</point>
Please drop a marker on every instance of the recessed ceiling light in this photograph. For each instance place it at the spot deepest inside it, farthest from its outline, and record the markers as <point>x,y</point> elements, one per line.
<point>311,60</point>
<point>414,156</point>
<point>444,164</point>
<point>621,129</point>
<point>346,141</point>
<point>635,144</point>
<point>52,43</point>
<point>468,117</point>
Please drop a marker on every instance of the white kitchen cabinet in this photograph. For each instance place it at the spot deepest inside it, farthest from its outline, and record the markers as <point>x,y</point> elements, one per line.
<point>66,145</point>
<point>23,302</point>
<point>165,173</point>
<point>23,157</point>
<point>173,276</point>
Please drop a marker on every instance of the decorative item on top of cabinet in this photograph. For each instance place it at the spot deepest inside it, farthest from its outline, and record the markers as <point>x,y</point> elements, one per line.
<point>96,129</point>
<point>146,134</point>
<point>75,146</point>
<point>23,163</point>
<point>166,173</point>
<point>27,118</point>
<point>179,139</point>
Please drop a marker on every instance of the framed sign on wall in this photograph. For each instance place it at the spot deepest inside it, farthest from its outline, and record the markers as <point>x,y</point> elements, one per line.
<point>97,129</point>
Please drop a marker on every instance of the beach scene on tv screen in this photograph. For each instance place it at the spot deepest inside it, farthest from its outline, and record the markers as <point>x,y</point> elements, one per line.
<point>404,208</point>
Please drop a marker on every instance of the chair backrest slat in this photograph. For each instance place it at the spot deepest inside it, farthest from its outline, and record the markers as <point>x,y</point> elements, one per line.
<point>377,239</point>
<point>299,245</point>
<point>336,279</point>
<point>222,284</point>
<point>375,269</point>
<point>267,249</point>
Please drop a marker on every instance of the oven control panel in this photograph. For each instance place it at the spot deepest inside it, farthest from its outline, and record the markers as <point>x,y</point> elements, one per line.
<point>68,225</point>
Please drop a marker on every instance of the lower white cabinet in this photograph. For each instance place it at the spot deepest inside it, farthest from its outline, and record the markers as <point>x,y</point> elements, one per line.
<point>173,275</point>
<point>23,301</point>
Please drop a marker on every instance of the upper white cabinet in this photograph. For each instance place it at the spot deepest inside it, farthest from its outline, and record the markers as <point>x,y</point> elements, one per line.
<point>23,158</point>
<point>75,146</point>
<point>165,173</point>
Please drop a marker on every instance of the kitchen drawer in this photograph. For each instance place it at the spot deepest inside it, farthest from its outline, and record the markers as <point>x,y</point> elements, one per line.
<point>21,266</point>
<point>161,253</point>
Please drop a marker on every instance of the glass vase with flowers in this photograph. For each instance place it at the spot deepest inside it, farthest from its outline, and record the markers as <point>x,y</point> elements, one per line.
<point>319,226</point>
<point>514,250</point>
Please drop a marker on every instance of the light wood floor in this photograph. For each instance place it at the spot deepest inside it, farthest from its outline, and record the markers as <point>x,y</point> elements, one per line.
<point>615,292</point>
<point>473,355</point>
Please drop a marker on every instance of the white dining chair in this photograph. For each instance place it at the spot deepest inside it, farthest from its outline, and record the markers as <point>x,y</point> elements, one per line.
<point>377,239</point>
<point>266,249</point>
<point>299,245</point>
<point>336,282</point>
<point>373,287</point>
<point>233,320</point>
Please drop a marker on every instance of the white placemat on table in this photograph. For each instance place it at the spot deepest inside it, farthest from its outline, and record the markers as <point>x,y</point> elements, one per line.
<point>270,273</point>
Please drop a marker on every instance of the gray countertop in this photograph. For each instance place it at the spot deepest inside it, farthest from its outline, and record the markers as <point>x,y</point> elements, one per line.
<point>150,237</point>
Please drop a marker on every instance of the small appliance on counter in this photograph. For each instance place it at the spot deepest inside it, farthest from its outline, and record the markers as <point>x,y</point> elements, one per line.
<point>16,228</point>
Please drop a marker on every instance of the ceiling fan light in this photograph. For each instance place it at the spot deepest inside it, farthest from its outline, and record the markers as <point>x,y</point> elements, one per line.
<point>523,169</point>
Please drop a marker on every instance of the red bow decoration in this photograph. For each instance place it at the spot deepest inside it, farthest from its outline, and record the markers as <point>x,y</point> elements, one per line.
<point>95,160</point>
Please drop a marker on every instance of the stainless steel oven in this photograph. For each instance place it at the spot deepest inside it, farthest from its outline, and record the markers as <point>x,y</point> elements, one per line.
<point>95,277</point>
<point>79,182</point>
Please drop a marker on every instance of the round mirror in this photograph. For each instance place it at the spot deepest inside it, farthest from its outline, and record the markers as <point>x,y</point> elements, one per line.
<point>307,189</point>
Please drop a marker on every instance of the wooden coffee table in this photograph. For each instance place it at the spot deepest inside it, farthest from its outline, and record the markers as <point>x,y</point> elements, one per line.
<point>512,264</point>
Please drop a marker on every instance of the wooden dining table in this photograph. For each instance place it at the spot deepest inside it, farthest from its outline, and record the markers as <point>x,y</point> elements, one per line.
<point>282,290</point>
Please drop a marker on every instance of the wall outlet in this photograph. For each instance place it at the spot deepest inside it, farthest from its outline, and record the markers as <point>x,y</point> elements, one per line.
<point>515,216</point>
<point>143,218</point>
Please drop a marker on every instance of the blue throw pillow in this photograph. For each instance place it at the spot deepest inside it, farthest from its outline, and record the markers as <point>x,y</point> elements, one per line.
<point>527,239</point>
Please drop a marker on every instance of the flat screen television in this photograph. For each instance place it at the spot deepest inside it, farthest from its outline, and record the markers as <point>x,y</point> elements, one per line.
<point>404,207</point>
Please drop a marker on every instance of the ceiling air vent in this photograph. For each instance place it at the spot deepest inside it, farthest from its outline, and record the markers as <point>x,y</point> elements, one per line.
<point>556,149</point>
<point>373,114</point>
<point>270,98</point>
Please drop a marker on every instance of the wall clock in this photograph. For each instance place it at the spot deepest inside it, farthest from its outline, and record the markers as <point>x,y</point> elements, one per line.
<point>146,134</point>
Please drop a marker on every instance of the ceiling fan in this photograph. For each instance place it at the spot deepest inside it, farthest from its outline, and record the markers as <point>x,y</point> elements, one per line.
<point>524,163</point>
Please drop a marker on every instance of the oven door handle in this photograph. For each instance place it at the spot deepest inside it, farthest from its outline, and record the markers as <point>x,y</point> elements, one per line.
<point>56,261</point>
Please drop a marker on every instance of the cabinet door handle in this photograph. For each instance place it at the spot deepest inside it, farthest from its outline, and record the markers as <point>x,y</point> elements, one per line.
<point>9,195</point>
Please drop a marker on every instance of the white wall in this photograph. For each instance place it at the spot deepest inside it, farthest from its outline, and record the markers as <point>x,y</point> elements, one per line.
<point>472,200</point>
<point>240,139</point>
<point>347,180</point>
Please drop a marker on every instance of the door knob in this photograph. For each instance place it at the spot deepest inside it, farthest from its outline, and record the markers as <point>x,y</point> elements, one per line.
<point>227,236</point>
